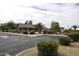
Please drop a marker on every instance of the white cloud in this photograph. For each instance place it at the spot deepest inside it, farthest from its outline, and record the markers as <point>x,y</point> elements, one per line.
<point>39,11</point>
<point>66,14</point>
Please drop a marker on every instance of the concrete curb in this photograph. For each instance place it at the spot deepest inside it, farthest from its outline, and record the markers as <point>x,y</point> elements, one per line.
<point>24,51</point>
<point>32,35</point>
<point>22,34</point>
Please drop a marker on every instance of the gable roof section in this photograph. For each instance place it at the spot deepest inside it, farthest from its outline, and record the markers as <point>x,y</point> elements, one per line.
<point>26,26</point>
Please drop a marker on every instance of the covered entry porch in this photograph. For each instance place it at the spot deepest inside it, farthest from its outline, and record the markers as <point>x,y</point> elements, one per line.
<point>26,28</point>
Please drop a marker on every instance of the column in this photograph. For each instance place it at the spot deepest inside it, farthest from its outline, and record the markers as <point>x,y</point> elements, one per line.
<point>28,31</point>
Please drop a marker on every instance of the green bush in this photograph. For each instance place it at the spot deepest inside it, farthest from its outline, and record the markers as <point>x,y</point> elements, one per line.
<point>74,31</point>
<point>65,40</point>
<point>25,32</point>
<point>74,36</point>
<point>47,48</point>
<point>50,32</point>
<point>32,32</point>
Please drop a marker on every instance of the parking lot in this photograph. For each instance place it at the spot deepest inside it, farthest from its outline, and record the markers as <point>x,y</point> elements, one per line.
<point>11,44</point>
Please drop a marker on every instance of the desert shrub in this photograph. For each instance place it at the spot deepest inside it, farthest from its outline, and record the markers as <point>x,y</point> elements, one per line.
<point>66,31</point>
<point>32,32</point>
<point>25,32</point>
<point>74,31</point>
<point>47,48</point>
<point>74,36</point>
<point>50,32</point>
<point>44,32</point>
<point>63,40</point>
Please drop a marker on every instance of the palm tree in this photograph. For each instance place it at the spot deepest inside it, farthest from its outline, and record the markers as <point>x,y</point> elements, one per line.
<point>26,22</point>
<point>74,26</point>
<point>30,22</point>
<point>39,27</point>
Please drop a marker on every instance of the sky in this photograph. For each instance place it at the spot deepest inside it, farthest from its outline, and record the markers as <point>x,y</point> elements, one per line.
<point>44,11</point>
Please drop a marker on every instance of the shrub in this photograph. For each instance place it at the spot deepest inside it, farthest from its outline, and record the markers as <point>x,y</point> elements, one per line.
<point>74,31</point>
<point>74,36</point>
<point>25,32</point>
<point>64,40</point>
<point>50,32</point>
<point>32,32</point>
<point>47,48</point>
<point>66,33</point>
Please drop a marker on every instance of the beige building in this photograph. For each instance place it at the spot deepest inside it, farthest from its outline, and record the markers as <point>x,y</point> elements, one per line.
<point>26,28</point>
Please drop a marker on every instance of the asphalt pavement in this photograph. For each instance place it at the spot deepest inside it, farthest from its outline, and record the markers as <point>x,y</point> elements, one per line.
<point>11,44</point>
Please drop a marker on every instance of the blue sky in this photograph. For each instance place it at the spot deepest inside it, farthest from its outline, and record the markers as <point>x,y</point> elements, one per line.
<point>67,14</point>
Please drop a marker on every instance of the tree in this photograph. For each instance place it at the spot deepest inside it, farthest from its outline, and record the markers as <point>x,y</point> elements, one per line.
<point>62,28</point>
<point>26,22</point>
<point>55,27</point>
<point>39,27</point>
<point>30,22</point>
<point>11,25</point>
<point>74,26</point>
<point>4,27</point>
